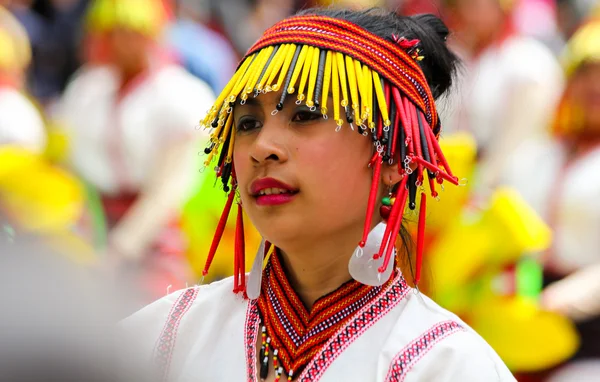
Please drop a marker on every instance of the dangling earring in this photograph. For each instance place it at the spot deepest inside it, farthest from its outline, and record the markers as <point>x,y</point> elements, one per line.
<point>255,277</point>
<point>239,263</point>
<point>376,267</point>
<point>386,206</point>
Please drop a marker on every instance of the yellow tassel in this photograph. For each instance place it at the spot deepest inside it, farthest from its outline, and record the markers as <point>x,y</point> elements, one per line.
<point>263,58</point>
<point>217,138</point>
<point>358,68</point>
<point>368,80</point>
<point>326,83</point>
<point>209,158</point>
<point>283,52</point>
<point>335,90</point>
<point>250,75</point>
<point>351,74</point>
<point>229,157</point>
<point>342,76</point>
<point>244,79</point>
<point>314,71</point>
<point>226,92</point>
<point>381,99</point>
<point>270,68</point>
<point>287,61</point>
<point>297,69</point>
<point>305,72</point>
<point>227,130</point>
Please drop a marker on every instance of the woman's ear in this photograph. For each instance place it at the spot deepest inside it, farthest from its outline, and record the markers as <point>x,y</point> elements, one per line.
<point>390,173</point>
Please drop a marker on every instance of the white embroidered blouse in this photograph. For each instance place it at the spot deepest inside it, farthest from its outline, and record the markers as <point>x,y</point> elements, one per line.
<point>206,333</point>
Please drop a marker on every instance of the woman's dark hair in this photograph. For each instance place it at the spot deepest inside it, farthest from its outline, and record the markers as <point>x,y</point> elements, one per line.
<point>439,64</point>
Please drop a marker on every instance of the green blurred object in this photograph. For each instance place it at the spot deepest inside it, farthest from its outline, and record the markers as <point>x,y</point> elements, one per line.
<point>96,210</point>
<point>529,278</point>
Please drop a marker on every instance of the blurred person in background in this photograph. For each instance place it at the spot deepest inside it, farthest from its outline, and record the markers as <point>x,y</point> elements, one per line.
<point>572,193</point>
<point>203,52</point>
<point>54,28</point>
<point>130,122</point>
<point>20,122</point>
<point>509,87</point>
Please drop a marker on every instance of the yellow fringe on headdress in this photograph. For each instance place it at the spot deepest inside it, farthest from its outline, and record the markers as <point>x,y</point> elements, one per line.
<point>340,77</point>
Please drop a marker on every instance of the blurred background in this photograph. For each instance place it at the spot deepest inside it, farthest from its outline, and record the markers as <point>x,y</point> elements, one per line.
<point>102,191</point>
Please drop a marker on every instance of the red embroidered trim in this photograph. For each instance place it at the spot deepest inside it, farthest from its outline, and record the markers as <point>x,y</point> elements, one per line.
<point>381,55</point>
<point>385,301</point>
<point>295,332</point>
<point>250,336</point>
<point>368,316</point>
<point>163,352</point>
<point>408,357</point>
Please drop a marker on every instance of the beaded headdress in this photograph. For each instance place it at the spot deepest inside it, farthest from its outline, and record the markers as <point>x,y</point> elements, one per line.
<point>377,88</point>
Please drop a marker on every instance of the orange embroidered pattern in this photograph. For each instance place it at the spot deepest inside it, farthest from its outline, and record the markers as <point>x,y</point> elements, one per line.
<point>296,333</point>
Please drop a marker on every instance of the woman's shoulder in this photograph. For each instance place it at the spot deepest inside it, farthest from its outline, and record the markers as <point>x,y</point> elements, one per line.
<point>216,292</point>
<point>431,343</point>
<point>170,314</point>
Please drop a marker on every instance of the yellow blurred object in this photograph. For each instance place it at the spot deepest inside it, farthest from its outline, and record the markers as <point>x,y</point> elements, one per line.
<point>525,337</point>
<point>583,47</point>
<point>144,16</point>
<point>468,254</point>
<point>460,149</point>
<point>37,196</point>
<point>15,50</point>
<point>494,237</point>
<point>57,145</point>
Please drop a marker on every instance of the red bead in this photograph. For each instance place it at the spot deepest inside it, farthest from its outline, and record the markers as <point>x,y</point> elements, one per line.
<point>385,211</point>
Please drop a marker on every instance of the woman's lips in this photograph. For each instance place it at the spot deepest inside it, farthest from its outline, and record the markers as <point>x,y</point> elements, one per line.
<point>274,199</point>
<point>271,192</point>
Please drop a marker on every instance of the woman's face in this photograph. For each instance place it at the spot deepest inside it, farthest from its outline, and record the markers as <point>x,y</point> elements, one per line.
<point>585,92</point>
<point>323,173</point>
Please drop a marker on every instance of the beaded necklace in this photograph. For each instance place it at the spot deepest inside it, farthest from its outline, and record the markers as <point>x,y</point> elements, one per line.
<point>290,334</point>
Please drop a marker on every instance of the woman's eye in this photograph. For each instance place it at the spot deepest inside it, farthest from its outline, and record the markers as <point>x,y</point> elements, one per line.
<point>248,124</point>
<point>305,116</point>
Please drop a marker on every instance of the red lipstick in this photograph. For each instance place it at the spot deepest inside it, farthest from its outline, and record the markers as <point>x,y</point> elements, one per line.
<point>272,192</point>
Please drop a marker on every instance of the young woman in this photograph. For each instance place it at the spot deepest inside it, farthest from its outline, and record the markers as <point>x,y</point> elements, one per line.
<point>326,120</point>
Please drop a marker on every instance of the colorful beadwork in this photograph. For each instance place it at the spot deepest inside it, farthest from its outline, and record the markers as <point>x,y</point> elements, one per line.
<point>297,334</point>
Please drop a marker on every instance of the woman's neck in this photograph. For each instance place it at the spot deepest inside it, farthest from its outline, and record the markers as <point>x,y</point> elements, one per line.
<point>320,267</point>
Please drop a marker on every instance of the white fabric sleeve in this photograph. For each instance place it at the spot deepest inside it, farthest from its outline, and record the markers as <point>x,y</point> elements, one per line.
<point>140,332</point>
<point>461,357</point>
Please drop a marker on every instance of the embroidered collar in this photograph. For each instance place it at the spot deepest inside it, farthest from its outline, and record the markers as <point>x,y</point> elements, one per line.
<point>296,333</point>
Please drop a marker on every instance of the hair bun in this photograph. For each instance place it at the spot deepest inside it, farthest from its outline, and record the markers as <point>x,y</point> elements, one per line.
<point>434,24</point>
